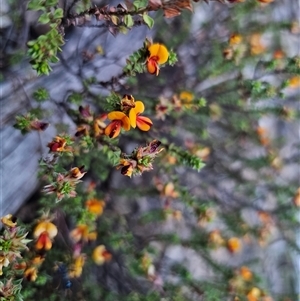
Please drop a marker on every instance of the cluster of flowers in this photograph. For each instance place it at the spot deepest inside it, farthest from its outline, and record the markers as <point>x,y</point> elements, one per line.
<point>177,103</point>
<point>242,283</point>
<point>85,232</point>
<point>13,241</point>
<point>45,231</point>
<point>128,115</point>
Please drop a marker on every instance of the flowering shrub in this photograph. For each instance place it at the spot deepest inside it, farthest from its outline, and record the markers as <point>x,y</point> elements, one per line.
<point>198,158</point>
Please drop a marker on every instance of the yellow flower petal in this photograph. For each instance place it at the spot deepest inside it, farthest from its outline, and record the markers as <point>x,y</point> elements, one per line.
<point>186,96</point>
<point>235,39</point>
<point>139,107</point>
<point>30,274</point>
<point>8,220</point>
<point>116,115</point>
<point>160,51</point>
<point>48,227</point>
<point>132,118</point>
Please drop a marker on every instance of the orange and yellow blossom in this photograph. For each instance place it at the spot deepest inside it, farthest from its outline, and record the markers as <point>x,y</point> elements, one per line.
<point>256,46</point>
<point>80,233</point>
<point>234,244</point>
<point>31,273</point>
<point>76,173</point>
<point>215,238</point>
<point>158,55</point>
<point>142,122</point>
<point>9,221</point>
<point>246,273</point>
<point>101,255</point>
<point>119,120</point>
<point>235,39</point>
<point>169,191</point>
<point>95,206</point>
<point>254,294</point>
<point>128,166</point>
<point>44,232</point>
<point>294,82</point>
<point>4,262</point>
<point>76,267</point>
<point>59,144</point>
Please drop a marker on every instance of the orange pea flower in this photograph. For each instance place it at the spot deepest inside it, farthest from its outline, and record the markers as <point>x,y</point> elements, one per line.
<point>76,173</point>
<point>158,55</point>
<point>246,273</point>
<point>101,255</point>
<point>169,191</point>
<point>30,273</point>
<point>294,82</point>
<point>59,144</point>
<point>254,294</point>
<point>95,206</point>
<point>9,221</point>
<point>234,245</point>
<point>256,44</point>
<point>81,232</point>
<point>77,266</point>
<point>235,39</point>
<point>119,120</point>
<point>142,122</point>
<point>127,167</point>
<point>215,238</point>
<point>45,231</point>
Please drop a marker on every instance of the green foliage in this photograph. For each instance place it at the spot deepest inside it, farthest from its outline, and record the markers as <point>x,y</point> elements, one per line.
<point>43,51</point>
<point>217,126</point>
<point>185,157</point>
<point>41,94</point>
<point>113,102</point>
<point>172,60</point>
<point>136,62</point>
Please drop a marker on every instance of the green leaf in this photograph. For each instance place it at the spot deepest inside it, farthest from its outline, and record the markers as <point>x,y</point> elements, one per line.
<point>44,18</point>
<point>148,20</point>
<point>138,4</point>
<point>51,3</point>
<point>128,20</point>
<point>35,5</point>
<point>58,13</point>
